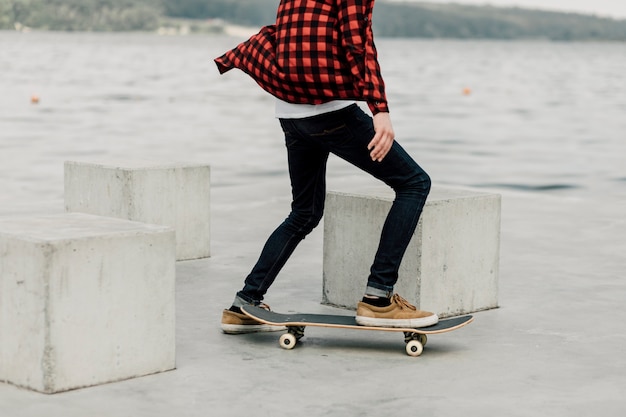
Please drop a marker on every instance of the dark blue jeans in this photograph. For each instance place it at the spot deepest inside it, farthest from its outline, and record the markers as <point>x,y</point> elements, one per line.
<point>346,133</point>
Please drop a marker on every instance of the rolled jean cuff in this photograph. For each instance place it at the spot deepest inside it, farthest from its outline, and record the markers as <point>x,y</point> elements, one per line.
<point>241,301</point>
<point>386,292</point>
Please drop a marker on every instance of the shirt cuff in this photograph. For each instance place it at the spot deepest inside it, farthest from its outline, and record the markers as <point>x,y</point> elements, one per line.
<point>378,107</point>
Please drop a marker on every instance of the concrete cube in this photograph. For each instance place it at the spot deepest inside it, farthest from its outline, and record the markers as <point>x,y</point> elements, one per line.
<point>84,300</point>
<point>176,195</point>
<point>450,266</point>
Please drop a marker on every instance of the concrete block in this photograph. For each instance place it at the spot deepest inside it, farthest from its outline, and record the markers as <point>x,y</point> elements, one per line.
<point>84,300</point>
<point>450,266</point>
<point>176,195</point>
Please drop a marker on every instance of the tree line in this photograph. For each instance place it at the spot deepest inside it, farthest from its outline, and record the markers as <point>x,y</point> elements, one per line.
<point>487,22</point>
<point>80,15</point>
<point>423,20</point>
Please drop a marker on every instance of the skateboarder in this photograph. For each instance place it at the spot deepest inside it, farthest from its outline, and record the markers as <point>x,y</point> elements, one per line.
<point>318,59</point>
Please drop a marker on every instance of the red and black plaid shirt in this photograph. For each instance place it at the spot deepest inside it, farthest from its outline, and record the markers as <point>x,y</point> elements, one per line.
<point>318,50</point>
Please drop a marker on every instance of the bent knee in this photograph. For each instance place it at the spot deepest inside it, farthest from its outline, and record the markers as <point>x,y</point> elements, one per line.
<point>418,185</point>
<point>426,183</point>
<point>303,223</point>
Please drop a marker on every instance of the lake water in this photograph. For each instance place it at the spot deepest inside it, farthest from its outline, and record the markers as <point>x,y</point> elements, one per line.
<point>541,117</point>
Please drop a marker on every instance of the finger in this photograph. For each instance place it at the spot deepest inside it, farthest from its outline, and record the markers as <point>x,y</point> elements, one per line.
<point>375,148</point>
<point>381,149</point>
<point>374,142</point>
<point>380,155</point>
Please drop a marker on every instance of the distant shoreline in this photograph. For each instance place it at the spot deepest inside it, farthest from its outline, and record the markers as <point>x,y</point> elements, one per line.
<point>391,19</point>
<point>241,33</point>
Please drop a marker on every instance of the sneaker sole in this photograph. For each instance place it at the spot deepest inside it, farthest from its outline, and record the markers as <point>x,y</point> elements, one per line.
<point>250,328</point>
<point>408,323</point>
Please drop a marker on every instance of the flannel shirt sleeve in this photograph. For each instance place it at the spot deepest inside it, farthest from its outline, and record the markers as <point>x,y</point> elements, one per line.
<point>354,17</point>
<point>254,56</point>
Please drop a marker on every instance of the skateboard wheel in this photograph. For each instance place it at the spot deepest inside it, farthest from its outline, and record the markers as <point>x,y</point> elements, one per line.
<point>414,348</point>
<point>287,341</point>
<point>423,339</point>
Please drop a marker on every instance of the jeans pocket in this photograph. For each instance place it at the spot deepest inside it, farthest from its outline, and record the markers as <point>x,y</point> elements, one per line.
<point>332,134</point>
<point>290,137</point>
<point>290,141</point>
<point>329,132</point>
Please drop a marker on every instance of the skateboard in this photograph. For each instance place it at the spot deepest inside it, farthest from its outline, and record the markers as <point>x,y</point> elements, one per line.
<point>415,338</point>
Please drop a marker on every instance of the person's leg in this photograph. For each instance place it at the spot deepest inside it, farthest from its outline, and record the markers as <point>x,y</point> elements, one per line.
<point>411,185</point>
<point>307,171</point>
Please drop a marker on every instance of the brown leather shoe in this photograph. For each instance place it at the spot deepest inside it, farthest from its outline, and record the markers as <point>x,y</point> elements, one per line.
<point>400,313</point>
<point>239,323</point>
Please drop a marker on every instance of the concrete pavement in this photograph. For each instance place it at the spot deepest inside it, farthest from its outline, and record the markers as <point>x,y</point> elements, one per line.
<point>554,348</point>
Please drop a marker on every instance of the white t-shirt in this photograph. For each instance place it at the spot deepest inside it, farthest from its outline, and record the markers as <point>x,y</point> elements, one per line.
<point>286,110</point>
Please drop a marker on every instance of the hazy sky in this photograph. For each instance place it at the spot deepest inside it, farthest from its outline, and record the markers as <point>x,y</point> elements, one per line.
<point>610,8</point>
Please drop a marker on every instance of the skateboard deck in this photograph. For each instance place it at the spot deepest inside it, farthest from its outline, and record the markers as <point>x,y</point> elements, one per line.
<point>415,338</point>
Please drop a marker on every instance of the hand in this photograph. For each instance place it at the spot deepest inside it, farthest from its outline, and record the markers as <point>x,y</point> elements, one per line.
<point>384,137</point>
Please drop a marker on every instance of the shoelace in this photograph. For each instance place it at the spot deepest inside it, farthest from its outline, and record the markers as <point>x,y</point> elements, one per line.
<point>397,299</point>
